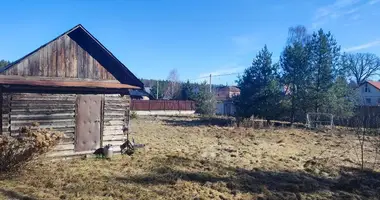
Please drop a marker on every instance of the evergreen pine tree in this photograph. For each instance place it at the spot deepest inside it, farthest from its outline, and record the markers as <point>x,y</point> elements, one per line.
<point>260,90</point>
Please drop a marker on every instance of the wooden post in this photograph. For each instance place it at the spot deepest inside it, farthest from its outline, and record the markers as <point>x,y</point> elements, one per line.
<point>126,122</point>
<point>102,104</point>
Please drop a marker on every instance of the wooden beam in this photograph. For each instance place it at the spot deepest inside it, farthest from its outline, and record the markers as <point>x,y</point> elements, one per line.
<point>63,83</point>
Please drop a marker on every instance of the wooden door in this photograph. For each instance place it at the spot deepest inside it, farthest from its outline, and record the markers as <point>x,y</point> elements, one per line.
<point>88,118</point>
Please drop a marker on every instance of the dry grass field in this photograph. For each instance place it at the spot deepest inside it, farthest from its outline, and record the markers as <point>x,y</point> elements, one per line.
<point>191,158</point>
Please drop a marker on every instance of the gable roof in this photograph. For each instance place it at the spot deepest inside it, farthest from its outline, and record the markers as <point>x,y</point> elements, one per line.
<point>99,52</point>
<point>229,88</point>
<point>375,84</point>
<point>140,93</point>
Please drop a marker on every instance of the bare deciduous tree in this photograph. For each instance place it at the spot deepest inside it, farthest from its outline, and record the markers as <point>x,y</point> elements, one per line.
<point>361,65</point>
<point>298,34</point>
<point>174,85</point>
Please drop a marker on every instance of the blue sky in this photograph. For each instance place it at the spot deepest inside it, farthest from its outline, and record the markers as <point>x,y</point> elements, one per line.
<point>197,37</point>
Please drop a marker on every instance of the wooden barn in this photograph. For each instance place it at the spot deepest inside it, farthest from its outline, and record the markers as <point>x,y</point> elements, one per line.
<point>72,84</point>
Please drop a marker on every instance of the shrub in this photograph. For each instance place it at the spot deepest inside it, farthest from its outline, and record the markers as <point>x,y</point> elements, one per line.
<point>15,152</point>
<point>133,115</point>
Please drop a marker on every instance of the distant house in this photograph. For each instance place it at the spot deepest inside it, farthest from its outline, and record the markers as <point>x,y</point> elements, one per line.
<point>140,94</point>
<point>224,96</point>
<point>370,93</point>
<point>226,93</point>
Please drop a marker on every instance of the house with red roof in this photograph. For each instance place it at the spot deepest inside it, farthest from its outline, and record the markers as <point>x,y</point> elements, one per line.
<point>370,93</point>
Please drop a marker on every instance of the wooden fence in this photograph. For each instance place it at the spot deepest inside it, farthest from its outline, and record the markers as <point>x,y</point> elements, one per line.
<point>147,105</point>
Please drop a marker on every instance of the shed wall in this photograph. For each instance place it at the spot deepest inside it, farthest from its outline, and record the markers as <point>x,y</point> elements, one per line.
<point>57,111</point>
<point>116,113</point>
<point>61,58</point>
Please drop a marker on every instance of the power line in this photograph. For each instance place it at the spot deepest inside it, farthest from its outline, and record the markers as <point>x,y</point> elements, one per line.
<point>203,77</point>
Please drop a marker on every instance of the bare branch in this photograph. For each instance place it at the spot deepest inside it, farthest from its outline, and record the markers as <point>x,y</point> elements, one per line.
<point>361,65</point>
<point>174,85</point>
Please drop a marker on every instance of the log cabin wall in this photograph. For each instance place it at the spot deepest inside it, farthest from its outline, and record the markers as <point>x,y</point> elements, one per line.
<point>61,58</point>
<point>74,56</point>
<point>57,112</point>
<point>116,111</point>
<point>5,110</point>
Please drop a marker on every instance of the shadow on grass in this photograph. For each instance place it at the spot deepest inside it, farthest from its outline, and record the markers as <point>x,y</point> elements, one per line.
<point>228,122</point>
<point>15,195</point>
<point>193,122</point>
<point>278,185</point>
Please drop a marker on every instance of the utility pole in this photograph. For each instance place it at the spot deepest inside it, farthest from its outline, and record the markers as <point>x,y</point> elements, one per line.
<point>157,89</point>
<point>210,83</point>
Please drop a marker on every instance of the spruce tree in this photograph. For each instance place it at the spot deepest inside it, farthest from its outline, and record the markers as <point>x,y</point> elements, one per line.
<point>259,88</point>
<point>324,59</point>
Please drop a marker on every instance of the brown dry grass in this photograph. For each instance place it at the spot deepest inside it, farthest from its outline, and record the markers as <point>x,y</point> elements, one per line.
<point>189,158</point>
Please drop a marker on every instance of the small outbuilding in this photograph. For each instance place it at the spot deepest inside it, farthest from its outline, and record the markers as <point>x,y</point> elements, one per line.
<point>71,84</point>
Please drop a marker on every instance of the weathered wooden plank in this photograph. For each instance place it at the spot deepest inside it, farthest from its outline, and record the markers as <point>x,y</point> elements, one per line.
<point>63,129</point>
<point>90,67</point>
<point>114,133</point>
<point>26,69</point>
<point>40,61</point>
<point>114,118</point>
<point>115,144</point>
<point>113,137</point>
<point>115,102</point>
<point>53,59</point>
<point>20,110</point>
<point>116,106</point>
<point>39,111</point>
<point>67,59</point>
<point>20,68</point>
<point>42,116</point>
<point>114,114</point>
<point>118,97</point>
<point>114,109</point>
<point>73,61</point>
<point>41,95</point>
<point>44,98</point>
<point>45,62</point>
<point>45,108</point>
<point>95,69</point>
<point>103,74</point>
<point>85,64</point>
<point>112,123</point>
<point>47,121</point>
<point>61,57</point>
<point>33,67</point>
<point>47,126</point>
<point>43,102</point>
<point>80,64</point>
<point>49,60</point>
<point>113,128</point>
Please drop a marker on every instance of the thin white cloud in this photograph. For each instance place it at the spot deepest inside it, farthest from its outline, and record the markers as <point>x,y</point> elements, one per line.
<point>363,46</point>
<point>333,11</point>
<point>373,2</point>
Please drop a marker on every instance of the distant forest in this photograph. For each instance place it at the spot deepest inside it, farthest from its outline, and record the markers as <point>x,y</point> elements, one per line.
<point>164,86</point>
